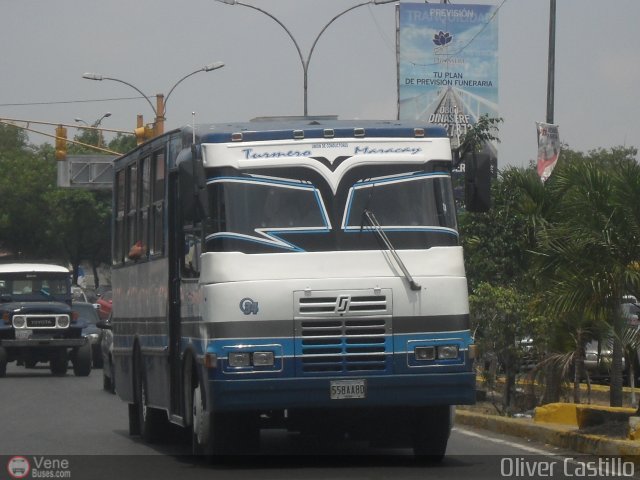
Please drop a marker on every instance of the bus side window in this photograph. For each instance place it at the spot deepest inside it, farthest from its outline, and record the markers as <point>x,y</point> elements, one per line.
<point>132,206</point>
<point>118,236</point>
<point>157,203</point>
<point>190,264</point>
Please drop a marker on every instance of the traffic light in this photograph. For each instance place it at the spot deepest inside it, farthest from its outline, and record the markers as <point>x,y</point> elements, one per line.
<point>61,143</point>
<point>143,134</point>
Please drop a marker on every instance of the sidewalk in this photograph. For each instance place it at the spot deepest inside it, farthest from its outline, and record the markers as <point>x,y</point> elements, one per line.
<point>558,426</point>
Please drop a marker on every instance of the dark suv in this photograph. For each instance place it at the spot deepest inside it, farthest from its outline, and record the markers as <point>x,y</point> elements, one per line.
<point>37,323</point>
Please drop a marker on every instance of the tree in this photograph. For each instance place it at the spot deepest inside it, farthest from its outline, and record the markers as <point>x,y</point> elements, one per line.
<point>496,242</point>
<point>500,320</point>
<point>588,252</point>
<point>122,143</point>
<point>79,223</point>
<point>27,174</point>
<point>38,220</point>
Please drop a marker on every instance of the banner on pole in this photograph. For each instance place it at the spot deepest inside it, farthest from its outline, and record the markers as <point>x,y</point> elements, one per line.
<point>548,149</point>
<point>448,65</point>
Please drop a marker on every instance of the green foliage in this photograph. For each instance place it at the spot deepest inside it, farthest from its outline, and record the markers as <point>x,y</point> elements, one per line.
<point>38,220</point>
<point>25,177</point>
<point>496,242</point>
<point>587,257</point>
<point>122,143</point>
<point>78,225</point>
<point>501,320</point>
<point>572,242</point>
<point>12,139</point>
<point>485,130</point>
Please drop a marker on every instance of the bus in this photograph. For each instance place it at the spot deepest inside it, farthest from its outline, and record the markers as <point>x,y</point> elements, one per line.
<point>299,273</point>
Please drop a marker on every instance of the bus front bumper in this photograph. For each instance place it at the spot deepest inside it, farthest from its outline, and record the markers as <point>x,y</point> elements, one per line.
<point>378,391</point>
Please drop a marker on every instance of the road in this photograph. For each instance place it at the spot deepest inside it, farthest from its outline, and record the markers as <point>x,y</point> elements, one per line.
<point>71,419</point>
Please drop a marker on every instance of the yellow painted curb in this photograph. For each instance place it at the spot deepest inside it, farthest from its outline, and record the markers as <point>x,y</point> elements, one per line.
<point>573,413</point>
<point>564,436</point>
<point>557,413</point>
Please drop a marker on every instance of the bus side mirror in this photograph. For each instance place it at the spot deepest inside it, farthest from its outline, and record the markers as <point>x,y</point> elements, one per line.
<point>193,186</point>
<point>477,182</point>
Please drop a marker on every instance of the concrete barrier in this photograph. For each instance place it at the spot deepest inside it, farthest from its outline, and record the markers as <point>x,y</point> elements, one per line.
<point>581,415</point>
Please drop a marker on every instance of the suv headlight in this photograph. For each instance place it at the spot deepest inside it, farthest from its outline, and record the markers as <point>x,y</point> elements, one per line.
<point>63,321</point>
<point>19,321</point>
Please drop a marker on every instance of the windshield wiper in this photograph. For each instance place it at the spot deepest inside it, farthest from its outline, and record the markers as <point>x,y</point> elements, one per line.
<point>373,221</point>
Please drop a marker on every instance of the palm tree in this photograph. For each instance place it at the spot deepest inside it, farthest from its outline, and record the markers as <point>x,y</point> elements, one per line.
<point>588,252</point>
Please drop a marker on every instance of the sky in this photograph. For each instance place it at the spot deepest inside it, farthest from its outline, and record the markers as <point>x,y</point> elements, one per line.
<point>152,44</point>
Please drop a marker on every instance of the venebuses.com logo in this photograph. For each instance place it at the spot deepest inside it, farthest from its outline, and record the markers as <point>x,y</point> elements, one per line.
<point>18,467</point>
<point>38,467</point>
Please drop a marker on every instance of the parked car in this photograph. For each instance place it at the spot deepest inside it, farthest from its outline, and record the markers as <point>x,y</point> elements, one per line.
<point>106,351</point>
<point>78,294</point>
<point>104,300</point>
<point>598,358</point>
<point>87,315</point>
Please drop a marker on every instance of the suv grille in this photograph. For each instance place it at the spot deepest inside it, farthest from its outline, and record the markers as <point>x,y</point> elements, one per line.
<point>41,322</point>
<point>343,332</point>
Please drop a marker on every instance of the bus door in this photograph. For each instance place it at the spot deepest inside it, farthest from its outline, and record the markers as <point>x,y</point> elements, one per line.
<point>175,248</point>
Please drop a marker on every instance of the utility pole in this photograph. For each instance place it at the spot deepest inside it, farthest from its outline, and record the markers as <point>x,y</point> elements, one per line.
<point>552,60</point>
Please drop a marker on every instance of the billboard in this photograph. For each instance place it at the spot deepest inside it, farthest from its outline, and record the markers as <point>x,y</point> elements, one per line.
<point>448,65</point>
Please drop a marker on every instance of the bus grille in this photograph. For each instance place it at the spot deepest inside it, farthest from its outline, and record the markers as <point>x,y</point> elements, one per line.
<point>343,333</point>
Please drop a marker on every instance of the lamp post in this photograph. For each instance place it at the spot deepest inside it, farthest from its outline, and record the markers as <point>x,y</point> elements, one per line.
<point>551,60</point>
<point>94,125</point>
<point>159,109</point>
<point>305,61</point>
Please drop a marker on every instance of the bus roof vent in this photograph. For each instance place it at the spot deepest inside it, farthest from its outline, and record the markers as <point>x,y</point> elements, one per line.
<point>358,132</point>
<point>418,132</point>
<point>329,133</point>
<point>236,137</point>
<point>298,134</point>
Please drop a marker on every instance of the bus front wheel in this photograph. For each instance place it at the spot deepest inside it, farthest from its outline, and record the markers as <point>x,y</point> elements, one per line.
<point>431,433</point>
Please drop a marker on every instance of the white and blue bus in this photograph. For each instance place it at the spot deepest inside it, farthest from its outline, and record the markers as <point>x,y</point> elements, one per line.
<point>303,274</point>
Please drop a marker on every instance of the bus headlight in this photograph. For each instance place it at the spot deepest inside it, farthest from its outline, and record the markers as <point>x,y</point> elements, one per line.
<point>425,353</point>
<point>19,321</point>
<point>447,352</point>
<point>263,359</point>
<point>239,359</point>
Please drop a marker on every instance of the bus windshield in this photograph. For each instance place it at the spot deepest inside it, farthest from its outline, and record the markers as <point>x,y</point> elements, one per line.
<point>410,202</point>
<point>244,206</point>
<point>255,215</point>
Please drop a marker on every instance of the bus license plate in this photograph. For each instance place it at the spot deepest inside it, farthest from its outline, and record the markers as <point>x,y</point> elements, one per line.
<point>345,389</point>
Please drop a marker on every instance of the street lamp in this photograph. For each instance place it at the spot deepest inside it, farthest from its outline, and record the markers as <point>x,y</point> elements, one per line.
<point>159,109</point>
<point>94,124</point>
<point>303,61</point>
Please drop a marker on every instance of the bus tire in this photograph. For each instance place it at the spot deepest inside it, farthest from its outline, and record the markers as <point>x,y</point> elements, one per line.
<point>59,362</point>
<point>152,422</point>
<point>109,383</point>
<point>209,432</point>
<point>431,433</point>
<point>201,425</point>
<point>82,360</point>
<point>4,358</point>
